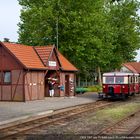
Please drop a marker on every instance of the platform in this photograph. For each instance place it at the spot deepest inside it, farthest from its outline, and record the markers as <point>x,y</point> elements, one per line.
<point>12,111</point>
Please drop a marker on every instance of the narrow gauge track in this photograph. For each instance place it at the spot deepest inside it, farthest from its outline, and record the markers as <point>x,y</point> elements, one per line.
<point>126,126</point>
<point>56,117</point>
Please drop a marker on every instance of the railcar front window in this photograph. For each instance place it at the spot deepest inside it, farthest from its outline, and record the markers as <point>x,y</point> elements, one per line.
<point>119,80</point>
<point>109,80</point>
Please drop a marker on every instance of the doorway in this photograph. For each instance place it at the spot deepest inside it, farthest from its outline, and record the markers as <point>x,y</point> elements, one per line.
<point>52,74</point>
<point>67,90</point>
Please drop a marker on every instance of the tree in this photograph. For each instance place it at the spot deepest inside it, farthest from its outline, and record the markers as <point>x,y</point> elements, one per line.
<point>83,29</point>
<point>123,17</point>
<point>97,35</point>
<point>6,40</point>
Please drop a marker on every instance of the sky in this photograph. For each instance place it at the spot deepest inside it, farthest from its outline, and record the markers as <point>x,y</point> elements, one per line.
<point>10,17</point>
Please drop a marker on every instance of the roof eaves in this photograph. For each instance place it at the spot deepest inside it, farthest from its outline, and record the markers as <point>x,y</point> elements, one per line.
<point>69,70</point>
<point>38,68</point>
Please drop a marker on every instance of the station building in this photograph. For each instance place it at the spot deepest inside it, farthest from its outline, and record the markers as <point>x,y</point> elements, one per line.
<point>25,70</point>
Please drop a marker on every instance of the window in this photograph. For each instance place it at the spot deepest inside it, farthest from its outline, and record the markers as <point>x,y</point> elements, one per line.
<point>109,80</point>
<point>119,80</point>
<point>131,81</point>
<point>7,77</point>
<point>136,79</point>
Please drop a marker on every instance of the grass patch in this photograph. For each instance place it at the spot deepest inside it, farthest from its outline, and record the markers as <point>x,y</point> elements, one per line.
<point>119,111</point>
<point>114,113</point>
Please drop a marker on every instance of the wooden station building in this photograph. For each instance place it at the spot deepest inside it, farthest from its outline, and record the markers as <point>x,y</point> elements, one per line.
<point>24,72</point>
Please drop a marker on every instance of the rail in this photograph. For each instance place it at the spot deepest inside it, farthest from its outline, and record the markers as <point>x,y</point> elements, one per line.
<point>125,126</point>
<point>58,116</point>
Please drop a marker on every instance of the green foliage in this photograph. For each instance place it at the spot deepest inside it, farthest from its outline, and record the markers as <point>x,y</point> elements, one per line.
<point>81,90</point>
<point>96,88</point>
<point>91,34</point>
<point>124,19</point>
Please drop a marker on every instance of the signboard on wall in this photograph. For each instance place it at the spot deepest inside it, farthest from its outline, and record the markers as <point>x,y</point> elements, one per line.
<point>52,63</point>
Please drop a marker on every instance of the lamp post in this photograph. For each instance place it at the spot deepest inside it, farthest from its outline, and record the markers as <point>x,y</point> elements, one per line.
<point>57,36</point>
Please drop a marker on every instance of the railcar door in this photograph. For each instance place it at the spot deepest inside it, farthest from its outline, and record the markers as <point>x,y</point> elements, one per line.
<point>139,82</point>
<point>131,85</point>
<point>136,84</point>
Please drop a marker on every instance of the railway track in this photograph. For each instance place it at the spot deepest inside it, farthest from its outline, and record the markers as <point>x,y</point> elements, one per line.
<point>125,127</point>
<point>61,115</point>
<point>134,131</point>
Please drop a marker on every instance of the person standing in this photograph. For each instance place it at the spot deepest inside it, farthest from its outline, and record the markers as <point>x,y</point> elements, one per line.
<point>51,88</point>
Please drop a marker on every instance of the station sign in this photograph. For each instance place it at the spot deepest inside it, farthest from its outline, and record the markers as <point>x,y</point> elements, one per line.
<point>52,63</point>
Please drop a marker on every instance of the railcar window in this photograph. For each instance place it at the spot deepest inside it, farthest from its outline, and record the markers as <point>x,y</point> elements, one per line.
<point>109,80</point>
<point>132,79</point>
<point>119,80</point>
<point>136,79</point>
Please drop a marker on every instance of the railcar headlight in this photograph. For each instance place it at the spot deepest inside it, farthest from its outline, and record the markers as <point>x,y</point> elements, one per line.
<point>123,86</point>
<point>103,86</point>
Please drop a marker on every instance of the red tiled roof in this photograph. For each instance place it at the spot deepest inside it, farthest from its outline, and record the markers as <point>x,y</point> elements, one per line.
<point>65,64</point>
<point>34,57</point>
<point>26,55</point>
<point>133,66</point>
<point>44,53</point>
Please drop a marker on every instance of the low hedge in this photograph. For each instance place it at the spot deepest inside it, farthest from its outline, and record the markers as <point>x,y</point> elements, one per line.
<point>81,90</point>
<point>95,88</point>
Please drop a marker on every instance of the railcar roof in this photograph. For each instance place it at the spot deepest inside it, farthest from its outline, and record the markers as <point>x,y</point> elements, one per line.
<point>119,74</point>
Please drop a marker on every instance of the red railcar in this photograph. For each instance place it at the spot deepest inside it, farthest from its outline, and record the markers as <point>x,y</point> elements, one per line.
<point>120,84</point>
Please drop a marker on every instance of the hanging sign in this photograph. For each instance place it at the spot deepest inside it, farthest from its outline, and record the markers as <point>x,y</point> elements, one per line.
<point>52,63</point>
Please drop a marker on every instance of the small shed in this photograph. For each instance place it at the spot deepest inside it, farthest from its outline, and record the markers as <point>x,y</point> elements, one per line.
<point>24,72</point>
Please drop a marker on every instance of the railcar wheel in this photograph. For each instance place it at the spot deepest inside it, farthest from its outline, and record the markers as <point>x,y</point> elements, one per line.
<point>132,94</point>
<point>124,97</point>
